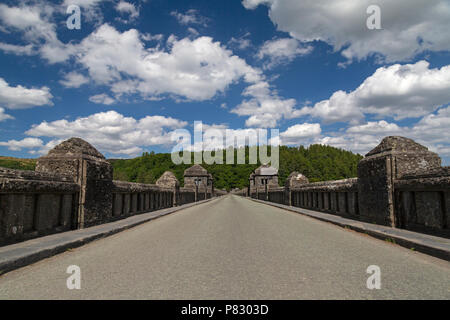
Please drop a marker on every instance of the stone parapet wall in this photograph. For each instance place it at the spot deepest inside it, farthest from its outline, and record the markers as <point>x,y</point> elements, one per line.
<point>276,194</point>
<point>34,204</point>
<point>400,184</point>
<point>336,197</point>
<point>187,195</point>
<point>134,198</point>
<point>422,203</point>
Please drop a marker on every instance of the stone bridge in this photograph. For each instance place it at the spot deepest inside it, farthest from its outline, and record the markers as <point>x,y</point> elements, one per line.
<point>259,242</point>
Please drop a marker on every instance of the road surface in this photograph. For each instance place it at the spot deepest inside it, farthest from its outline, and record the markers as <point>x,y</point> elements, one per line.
<point>233,248</point>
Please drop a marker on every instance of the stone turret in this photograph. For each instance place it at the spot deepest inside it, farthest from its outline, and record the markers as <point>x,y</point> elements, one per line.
<point>168,180</point>
<point>204,186</point>
<point>261,179</point>
<point>295,179</point>
<point>90,170</point>
<point>393,158</point>
<point>266,175</point>
<point>196,172</point>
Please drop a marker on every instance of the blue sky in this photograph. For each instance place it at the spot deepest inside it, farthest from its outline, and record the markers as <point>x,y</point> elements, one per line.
<point>137,70</point>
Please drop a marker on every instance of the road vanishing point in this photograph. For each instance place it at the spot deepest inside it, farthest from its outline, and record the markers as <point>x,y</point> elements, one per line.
<point>233,248</point>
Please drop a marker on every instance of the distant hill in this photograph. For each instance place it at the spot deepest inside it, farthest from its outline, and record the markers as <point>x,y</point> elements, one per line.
<point>16,163</point>
<point>317,162</point>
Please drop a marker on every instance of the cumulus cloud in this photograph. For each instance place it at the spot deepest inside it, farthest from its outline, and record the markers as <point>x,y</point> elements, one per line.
<point>129,9</point>
<point>111,131</point>
<point>184,69</point>
<point>220,137</point>
<point>193,69</point>
<point>74,80</point>
<point>264,107</point>
<point>34,22</point>
<point>4,116</point>
<point>19,50</point>
<point>409,27</point>
<point>398,91</point>
<point>433,130</point>
<point>300,134</point>
<point>19,97</point>
<point>429,130</point>
<point>27,143</point>
<point>102,99</point>
<point>282,51</point>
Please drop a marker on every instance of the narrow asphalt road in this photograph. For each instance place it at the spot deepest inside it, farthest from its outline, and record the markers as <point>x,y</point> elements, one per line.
<point>233,248</point>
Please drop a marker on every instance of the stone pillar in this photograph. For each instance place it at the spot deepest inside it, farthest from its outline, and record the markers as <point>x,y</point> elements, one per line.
<point>91,171</point>
<point>377,172</point>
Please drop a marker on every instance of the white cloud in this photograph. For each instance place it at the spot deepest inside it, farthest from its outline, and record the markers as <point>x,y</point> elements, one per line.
<point>74,80</point>
<point>193,32</point>
<point>185,69</point>
<point>429,131</point>
<point>111,131</point>
<point>191,16</point>
<point>4,116</point>
<point>380,127</point>
<point>102,99</point>
<point>408,26</point>
<point>127,8</point>
<point>265,107</point>
<point>27,143</point>
<point>282,51</point>
<point>433,131</point>
<point>19,97</point>
<point>26,50</point>
<point>300,134</point>
<point>363,138</point>
<point>30,19</point>
<point>193,69</point>
<point>34,22</point>
<point>220,136</point>
<point>398,91</point>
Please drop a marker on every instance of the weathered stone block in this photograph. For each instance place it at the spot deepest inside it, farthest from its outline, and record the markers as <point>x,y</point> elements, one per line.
<point>66,211</point>
<point>407,213</point>
<point>118,204</point>
<point>342,202</point>
<point>134,203</point>
<point>12,207</point>
<point>352,203</point>
<point>126,204</point>
<point>326,201</point>
<point>47,212</point>
<point>429,209</point>
<point>29,213</point>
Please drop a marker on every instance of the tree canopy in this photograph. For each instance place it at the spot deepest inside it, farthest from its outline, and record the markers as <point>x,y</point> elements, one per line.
<point>317,162</point>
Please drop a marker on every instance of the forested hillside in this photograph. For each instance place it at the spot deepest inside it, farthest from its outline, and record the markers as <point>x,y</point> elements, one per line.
<point>317,162</point>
